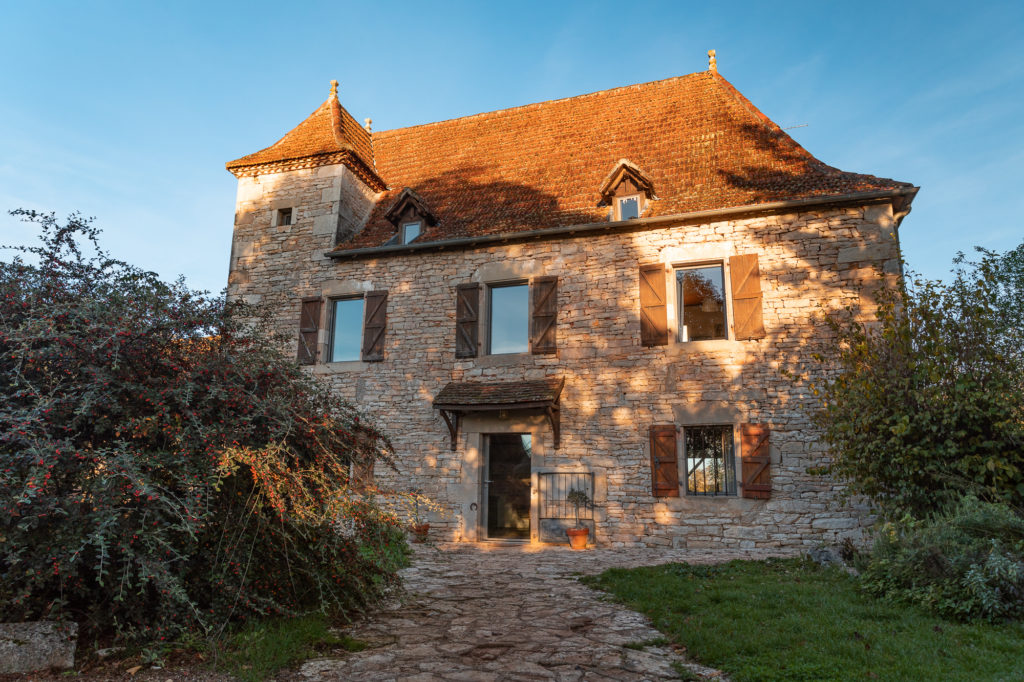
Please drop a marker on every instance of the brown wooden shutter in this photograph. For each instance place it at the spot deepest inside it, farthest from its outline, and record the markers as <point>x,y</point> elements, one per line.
<point>754,452</point>
<point>664,466</point>
<point>309,328</point>
<point>375,319</point>
<point>467,320</point>
<point>748,321</point>
<point>653,308</point>
<point>545,315</point>
<point>361,476</point>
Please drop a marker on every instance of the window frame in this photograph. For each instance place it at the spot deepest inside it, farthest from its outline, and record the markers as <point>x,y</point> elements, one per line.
<point>639,196</point>
<point>291,216</point>
<point>489,328</point>
<point>332,303</point>
<point>731,462</point>
<point>676,312</point>
<point>403,235</point>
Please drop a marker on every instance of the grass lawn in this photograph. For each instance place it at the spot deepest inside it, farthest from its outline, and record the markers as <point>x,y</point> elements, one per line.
<point>790,619</point>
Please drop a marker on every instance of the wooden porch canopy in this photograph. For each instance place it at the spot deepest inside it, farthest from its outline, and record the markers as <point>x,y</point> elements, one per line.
<point>461,397</point>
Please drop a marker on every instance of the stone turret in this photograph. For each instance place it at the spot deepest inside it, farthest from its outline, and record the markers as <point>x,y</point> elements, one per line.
<point>313,188</point>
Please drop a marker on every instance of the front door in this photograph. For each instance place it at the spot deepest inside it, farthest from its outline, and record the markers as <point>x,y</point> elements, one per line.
<point>507,485</point>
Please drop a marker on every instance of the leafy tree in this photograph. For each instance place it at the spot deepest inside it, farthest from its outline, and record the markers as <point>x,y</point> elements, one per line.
<point>162,465</point>
<point>928,398</point>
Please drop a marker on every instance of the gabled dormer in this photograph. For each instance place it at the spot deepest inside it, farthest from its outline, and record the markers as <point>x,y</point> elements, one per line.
<point>410,216</point>
<point>627,190</point>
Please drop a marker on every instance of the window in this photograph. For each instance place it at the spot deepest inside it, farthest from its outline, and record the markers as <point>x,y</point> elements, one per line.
<point>628,207</point>
<point>710,465</point>
<point>410,231</point>
<point>346,329</point>
<point>509,318</point>
<point>700,298</point>
<point>284,217</point>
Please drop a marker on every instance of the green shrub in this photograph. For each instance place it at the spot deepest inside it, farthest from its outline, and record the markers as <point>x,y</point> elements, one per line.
<point>163,467</point>
<point>967,563</point>
<point>928,397</point>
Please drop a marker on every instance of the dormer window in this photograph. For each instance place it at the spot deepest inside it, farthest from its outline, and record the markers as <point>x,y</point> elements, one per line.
<point>411,230</point>
<point>627,190</point>
<point>628,207</point>
<point>410,216</point>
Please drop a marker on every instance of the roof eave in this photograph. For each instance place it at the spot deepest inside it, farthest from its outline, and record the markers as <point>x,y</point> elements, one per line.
<point>901,198</point>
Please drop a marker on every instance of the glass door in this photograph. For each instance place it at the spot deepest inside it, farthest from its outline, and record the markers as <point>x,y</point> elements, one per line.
<point>507,485</point>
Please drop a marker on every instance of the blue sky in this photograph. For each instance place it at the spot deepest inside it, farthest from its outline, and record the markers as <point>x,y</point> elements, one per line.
<point>127,111</point>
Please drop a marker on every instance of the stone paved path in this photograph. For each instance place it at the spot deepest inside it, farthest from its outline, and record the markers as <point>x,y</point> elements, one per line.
<point>480,612</point>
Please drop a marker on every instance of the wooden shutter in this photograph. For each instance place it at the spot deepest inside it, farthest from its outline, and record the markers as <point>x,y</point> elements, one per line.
<point>467,320</point>
<point>745,274</point>
<point>757,478</point>
<point>664,466</point>
<point>543,338</point>
<point>653,309</point>
<point>309,328</point>
<point>361,476</point>
<point>375,318</point>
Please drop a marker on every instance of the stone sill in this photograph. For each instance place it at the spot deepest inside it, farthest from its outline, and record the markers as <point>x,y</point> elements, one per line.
<point>502,360</point>
<point>703,503</point>
<point>340,367</point>
<point>710,346</point>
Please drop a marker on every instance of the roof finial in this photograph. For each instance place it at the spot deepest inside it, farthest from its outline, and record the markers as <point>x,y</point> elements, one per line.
<point>712,62</point>
<point>368,122</point>
<point>334,89</point>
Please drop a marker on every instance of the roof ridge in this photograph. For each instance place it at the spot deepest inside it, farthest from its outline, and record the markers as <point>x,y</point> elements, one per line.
<point>546,101</point>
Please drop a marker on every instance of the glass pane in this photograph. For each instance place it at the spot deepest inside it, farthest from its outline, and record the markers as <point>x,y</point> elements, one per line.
<point>347,335</point>
<point>701,295</point>
<point>508,486</point>
<point>410,232</point>
<point>509,308</point>
<point>629,207</point>
<point>710,469</point>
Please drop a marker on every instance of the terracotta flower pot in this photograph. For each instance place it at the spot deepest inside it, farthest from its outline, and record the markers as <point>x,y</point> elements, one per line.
<point>419,532</point>
<point>578,537</point>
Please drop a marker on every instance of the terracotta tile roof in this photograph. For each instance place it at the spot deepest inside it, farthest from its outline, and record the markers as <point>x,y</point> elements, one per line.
<point>698,140</point>
<point>497,394</point>
<point>328,132</point>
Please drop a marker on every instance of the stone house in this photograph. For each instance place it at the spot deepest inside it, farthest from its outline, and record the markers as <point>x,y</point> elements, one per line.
<point>610,292</point>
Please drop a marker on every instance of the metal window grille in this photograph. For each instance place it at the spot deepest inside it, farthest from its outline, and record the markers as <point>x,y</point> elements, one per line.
<point>554,487</point>
<point>710,463</point>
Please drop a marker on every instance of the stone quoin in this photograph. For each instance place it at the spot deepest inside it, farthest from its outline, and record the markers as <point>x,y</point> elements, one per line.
<point>621,292</point>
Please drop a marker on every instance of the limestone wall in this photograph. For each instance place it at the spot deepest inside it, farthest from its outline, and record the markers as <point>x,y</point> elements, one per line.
<point>615,388</point>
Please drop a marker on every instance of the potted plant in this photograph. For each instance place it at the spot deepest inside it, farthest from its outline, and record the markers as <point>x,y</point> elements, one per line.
<point>420,528</point>
<point>578,497</point>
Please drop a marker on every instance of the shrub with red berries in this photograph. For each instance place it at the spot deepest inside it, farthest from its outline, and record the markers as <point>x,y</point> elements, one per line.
<point>164,466</point>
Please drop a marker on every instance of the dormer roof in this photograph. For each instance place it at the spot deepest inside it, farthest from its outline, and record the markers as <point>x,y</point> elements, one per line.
<point>625,170</point>
<point>405,200</point>
<point>329,135</point>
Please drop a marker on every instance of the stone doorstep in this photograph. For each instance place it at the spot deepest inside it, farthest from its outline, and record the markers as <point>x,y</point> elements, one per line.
<point>38,645</point>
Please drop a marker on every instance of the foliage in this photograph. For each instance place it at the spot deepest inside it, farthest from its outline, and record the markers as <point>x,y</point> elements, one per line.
<point>577,497</point>
<point>261,649</point>
<point>163,467</point>
<point>928,399</point>
<point>794,620</point>
<point>966,563</point>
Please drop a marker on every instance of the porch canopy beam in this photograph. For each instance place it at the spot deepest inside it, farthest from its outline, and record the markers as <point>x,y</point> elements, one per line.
<point>459,398</point>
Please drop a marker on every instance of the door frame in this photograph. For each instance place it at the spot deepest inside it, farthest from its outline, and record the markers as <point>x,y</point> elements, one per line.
<point>472,443</point>
<point>485,491</point>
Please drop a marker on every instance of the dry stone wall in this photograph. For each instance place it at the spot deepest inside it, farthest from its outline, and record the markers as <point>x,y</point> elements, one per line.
<point>810,262</point>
